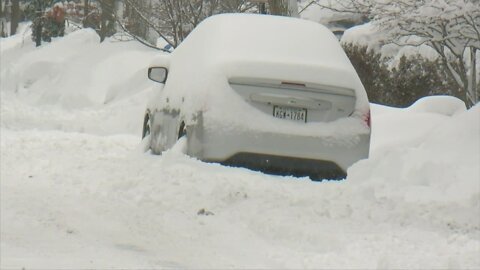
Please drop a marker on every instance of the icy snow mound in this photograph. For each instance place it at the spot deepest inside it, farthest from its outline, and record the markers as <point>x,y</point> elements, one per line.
<point>438,170</point>
<point>444,105</point>
<point>403,127</point>
<point>75,71</point>
<point>74,83</point>
<point>17,40</point>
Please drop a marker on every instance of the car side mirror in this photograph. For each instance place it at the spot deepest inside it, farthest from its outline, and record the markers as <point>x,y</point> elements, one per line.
<point>158,74</point>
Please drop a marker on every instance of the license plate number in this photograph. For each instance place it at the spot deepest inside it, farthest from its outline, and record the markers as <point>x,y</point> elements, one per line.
<point>289,113</point>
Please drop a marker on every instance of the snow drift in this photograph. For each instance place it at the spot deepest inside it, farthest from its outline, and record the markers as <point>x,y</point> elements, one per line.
<point>74,72</point>
<point>75,82</point>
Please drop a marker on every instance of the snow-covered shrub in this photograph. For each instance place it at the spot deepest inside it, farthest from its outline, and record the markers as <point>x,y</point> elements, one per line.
<point>415,77</point>
<point>412,78</point>
<point>372,70</point>
<point>48,20</point>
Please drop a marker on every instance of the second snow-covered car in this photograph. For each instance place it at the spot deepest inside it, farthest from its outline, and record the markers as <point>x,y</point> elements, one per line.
<point>268,93</point>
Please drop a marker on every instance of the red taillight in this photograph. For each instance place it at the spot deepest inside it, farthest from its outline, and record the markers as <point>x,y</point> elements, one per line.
<point>367,119</point>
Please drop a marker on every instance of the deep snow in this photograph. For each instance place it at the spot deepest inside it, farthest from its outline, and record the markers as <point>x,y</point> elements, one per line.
<point>77,192</point>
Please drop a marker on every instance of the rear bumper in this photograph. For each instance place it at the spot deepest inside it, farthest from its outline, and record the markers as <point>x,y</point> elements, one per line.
<point>276,153</point>
<point>278,165</point>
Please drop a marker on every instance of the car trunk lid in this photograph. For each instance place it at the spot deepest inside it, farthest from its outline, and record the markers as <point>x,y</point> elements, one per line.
<point>294,100</point>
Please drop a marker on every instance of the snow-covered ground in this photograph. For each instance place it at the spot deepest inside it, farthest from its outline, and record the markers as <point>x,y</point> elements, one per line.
<point>77,192</point>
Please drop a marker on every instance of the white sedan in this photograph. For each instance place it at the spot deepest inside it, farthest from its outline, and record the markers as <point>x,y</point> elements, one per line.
<point>269,93</point>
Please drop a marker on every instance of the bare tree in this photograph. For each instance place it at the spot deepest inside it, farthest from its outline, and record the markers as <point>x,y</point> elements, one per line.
<point>283,7</point>
<point>236,6</point>
<point>278,7</point>
<point>86,11</point>
<point>107,21</point>
<point>173,20</point>
<point>3,20</point>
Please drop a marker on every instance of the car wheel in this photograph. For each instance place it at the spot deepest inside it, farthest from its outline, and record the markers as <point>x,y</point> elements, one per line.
<point>146,126</point>
<point>181,144</point>
<point>182,131</point>
<point>146,143</point>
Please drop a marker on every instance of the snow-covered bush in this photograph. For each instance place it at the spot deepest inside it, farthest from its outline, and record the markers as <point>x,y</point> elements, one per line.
<point>372,70</point>
<point>411,78</point>
<point>48,20</point>
<point>415,77</point>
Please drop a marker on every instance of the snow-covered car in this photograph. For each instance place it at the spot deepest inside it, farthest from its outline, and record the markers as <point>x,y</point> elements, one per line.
<point>268,93</point>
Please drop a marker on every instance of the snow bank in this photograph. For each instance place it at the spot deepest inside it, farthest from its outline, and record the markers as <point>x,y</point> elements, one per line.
<point>75,83</point>
<point>413,206</point>
<point>443,154</point>
<point>399,128</point>
<point>445,105</point>
<point>75,71</point>
<point>23,33</point>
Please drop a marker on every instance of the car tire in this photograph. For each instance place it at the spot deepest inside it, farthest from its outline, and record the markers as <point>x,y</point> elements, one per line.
<point>182,139</point>
<point>146,143</point>
<point>182,131</point>
<point>146,126</point>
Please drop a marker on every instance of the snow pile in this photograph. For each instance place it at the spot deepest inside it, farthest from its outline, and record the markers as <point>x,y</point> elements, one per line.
<point>75,71</point>
<point>411,125</point>
<point>70,198</point>
<point>445,105</point>
<point>439,165</point>
<point>72,83</point>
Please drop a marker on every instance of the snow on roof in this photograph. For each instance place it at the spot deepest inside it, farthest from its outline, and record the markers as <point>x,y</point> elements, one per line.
<point>373,38</point>
<point>318,13</point>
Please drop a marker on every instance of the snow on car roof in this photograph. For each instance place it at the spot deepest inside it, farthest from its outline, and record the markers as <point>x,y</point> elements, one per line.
<point>265,38</point>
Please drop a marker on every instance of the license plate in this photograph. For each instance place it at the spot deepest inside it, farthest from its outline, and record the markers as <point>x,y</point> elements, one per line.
<point>289,113</point>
